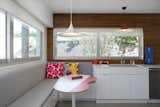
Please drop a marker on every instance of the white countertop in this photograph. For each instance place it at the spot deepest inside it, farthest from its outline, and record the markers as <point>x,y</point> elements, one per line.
<point>129,65</point>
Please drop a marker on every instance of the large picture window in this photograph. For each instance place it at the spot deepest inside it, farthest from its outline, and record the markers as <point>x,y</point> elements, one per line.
<point>2,35</point>
<point>116,43</point>
<point>77,47</point>
<point>99,43</point>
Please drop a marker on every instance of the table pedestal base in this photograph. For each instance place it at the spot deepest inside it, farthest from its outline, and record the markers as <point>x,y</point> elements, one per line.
<point>73,100</point>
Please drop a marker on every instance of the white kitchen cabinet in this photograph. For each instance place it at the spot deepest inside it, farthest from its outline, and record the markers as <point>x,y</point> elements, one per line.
<point>103,87</point>
<point>120,87</point>
<point>139,87</point>
<point>112,86</point>
<point>121,83</point>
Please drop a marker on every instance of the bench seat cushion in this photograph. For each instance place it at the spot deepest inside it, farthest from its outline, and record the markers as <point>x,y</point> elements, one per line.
<point>36,96</point>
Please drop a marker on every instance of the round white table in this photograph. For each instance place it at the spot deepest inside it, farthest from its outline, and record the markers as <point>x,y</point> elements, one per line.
<point>67,85</point>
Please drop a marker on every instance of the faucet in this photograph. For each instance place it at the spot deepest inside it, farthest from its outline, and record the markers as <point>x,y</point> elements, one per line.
<point>122,60</point>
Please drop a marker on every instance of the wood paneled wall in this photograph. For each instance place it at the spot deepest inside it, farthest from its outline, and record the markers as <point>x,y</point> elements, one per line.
<point>49,44</point>
<point>149,22</point>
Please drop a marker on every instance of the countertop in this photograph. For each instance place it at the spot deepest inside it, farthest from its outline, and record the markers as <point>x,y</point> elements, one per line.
<point>129,65</point>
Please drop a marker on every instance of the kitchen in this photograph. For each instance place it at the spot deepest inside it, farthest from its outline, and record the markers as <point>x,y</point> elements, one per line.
<point>127,80</point>
<point>116,42</point>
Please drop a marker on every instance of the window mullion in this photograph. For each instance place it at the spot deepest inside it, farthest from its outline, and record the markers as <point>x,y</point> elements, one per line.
<point>9,39</point>
<point>6,56</point>
<point>41,45</point>
<point>98,46</point>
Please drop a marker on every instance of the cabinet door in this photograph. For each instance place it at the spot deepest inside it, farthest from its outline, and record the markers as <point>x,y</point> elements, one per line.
<point>139,87</point>
<point>120,87</point>
<point>103,89</point>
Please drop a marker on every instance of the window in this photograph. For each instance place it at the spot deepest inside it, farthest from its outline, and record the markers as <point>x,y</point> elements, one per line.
<point>19,41</point>
<point>21,32</point>
<point>34,42</point>
<point>99,43</point>
<point>27,40</point>
<point>115,43</point>
<point>77,47</point>
<point>2,35</point>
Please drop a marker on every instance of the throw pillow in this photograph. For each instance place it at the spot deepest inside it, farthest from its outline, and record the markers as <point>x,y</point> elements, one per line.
<point>54,70</point>
<point>73,68</point>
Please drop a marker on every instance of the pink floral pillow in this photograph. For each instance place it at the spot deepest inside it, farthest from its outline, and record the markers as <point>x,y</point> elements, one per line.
<point>54,70</point>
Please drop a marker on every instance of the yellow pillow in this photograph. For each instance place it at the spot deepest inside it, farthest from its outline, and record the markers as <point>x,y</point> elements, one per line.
<point>73,68</point>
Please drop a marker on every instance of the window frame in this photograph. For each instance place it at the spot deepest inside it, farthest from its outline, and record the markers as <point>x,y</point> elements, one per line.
<point>98,55</point>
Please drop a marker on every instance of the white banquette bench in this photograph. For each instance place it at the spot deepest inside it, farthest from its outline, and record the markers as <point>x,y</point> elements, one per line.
<point>24,85</point>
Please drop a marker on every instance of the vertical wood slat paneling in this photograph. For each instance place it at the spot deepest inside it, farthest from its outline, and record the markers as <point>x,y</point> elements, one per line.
<point>149,22</point>
<point>49,44</point>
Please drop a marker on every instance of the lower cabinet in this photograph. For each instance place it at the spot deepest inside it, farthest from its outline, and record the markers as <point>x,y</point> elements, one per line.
<point>122,83</point>
<point>120,87</point>
<point>103,87</point>
<point>139,86</point>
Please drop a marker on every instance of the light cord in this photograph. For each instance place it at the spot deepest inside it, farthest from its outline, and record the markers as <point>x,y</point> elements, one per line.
<point>71,11</point>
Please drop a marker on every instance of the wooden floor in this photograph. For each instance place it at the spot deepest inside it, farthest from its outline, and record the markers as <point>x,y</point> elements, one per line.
<point>93,104</point>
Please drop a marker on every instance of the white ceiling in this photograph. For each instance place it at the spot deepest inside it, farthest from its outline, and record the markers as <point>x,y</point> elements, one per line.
<point>105,6</point>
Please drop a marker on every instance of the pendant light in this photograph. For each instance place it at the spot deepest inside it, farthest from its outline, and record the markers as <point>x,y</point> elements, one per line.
<point>70,31</point>
<point>124,26</point>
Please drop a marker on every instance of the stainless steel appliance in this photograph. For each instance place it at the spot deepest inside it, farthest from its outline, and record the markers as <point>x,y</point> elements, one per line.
<point>154,83</point>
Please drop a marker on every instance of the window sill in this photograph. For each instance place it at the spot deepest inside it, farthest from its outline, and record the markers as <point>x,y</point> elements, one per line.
<point>19,61</point>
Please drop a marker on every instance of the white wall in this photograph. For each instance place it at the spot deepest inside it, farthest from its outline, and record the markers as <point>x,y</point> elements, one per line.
<point>39,9</point>
<point>13,8</point>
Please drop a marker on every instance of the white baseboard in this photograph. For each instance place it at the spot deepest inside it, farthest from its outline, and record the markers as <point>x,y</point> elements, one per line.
<point>113,101</point>
<point>78,99</point>
<point>121,101</point>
